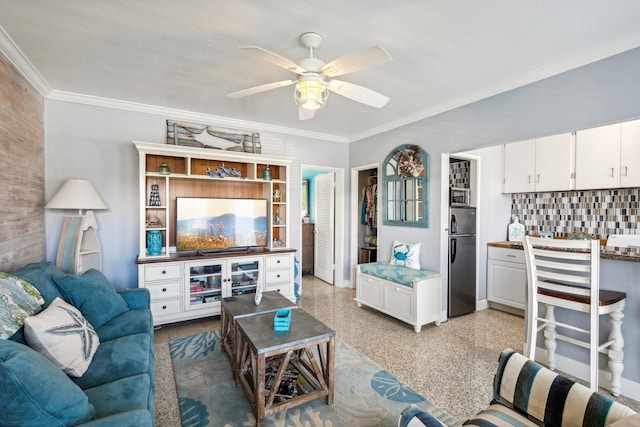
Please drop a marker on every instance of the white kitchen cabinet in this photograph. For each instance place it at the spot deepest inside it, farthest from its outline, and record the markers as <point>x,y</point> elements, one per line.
<point>630,154</point>
<point>506,277</point>
<point>519,166</point>
<point>541,164</point>
<point>598,157</point>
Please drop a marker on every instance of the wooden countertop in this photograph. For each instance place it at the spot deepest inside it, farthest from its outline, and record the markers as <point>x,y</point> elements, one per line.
<point>606,252</point>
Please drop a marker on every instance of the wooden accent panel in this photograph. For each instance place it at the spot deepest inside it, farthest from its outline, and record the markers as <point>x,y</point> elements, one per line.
<point>176,164</point>
<point>22,236</point>
<point>214,187</point>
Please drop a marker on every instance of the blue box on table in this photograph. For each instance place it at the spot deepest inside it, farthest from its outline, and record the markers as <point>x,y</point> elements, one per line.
<point>282,320</point>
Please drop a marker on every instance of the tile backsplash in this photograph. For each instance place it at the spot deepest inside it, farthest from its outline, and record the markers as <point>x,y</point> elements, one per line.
<point>460,174</point>
<point>597,212</point>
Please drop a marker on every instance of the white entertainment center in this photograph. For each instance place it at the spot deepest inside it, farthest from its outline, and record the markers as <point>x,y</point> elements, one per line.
<point>189,285</point>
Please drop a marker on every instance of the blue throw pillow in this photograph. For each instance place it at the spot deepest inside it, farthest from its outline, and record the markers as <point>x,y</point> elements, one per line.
<point>35,392</point>
<point>40,275</point>
<point>93,295</point>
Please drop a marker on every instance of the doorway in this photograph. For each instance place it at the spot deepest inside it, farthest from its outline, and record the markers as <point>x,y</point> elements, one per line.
<point>365,200</point>
<point>322,248</point>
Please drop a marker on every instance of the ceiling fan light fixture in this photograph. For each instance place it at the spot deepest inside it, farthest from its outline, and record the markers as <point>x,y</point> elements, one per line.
<point>311,92</point>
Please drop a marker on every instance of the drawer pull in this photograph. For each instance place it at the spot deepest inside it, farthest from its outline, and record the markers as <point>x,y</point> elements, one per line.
<point>164,271</point>
<point>278,261</point>
<point>511,256</point>
<point>164,307</point>
<point>164,289</point>
<point>278,276</point>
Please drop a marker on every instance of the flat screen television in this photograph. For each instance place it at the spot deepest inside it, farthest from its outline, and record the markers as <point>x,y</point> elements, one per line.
<point>210,224</point>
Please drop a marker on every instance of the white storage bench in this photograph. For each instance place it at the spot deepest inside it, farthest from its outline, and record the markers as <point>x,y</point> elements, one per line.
<point>413,296</point>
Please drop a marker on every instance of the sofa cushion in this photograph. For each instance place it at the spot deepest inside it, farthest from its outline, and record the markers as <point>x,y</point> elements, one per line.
<point>93,295</point>
<point>130,322</point>
<point>40,275</point>
<point>414,416</point>
<point>123,395</point>
<point>35,392</point>
<point>119,358</point>
<point>63,335</point>
<point>405,254</point>
<point>539,393</point>
<point>630,421</point>
<point>499,416</point>
<point>18,300</point>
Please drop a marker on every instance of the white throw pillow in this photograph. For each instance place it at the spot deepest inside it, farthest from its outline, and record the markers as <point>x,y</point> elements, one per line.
<point>405,254</point>
<point>61,334</point>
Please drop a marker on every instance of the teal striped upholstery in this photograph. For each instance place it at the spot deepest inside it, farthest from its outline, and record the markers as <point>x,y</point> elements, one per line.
<point>538,396</point>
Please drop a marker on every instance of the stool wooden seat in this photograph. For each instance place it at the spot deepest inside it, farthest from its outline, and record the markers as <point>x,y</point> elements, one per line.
<point>565,274</point>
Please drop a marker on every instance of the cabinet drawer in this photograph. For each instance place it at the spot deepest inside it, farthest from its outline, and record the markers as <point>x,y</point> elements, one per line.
<point>162,272</point>
<point>399,302</point>
<point>505,254</point>
<point>170,306</point>
<point>166,290</point>
<point>278,262</point>
<point>272,277</point>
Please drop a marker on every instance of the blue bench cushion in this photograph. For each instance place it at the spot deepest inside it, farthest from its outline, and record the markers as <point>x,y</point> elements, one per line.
<point>395,273</point>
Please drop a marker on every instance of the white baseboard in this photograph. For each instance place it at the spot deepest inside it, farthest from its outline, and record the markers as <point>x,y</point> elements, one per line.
<point>482,305</point>
<point>580,370</point>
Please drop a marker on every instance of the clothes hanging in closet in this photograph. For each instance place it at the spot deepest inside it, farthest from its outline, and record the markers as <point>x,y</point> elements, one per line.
<point>370,205</point>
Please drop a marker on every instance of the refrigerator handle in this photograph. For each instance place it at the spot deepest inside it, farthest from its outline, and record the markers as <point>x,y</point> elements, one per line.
<point>452,250</point>
<point>454,225</point>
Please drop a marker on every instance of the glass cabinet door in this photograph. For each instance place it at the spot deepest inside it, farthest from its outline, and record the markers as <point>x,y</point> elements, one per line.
<point>245,275</point>
<point>205,285</point>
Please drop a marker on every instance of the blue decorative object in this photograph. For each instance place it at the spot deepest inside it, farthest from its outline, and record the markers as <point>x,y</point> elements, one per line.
<point>266,174</point>
<point>223,171</point>
<point>282,320</point>
<point>154,242</point>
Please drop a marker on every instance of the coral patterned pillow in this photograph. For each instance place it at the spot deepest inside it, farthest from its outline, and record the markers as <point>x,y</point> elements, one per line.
<point>405,254</point>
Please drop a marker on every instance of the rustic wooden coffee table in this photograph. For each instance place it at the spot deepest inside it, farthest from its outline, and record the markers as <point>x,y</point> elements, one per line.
<point>242,306</point>
<point>307,351</point>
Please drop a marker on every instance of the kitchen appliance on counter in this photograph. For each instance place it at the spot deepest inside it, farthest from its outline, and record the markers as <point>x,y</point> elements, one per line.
<point>459,196</point>
<point>462,261</point>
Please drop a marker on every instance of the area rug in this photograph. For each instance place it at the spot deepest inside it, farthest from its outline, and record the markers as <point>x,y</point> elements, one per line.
<point>364,393</point>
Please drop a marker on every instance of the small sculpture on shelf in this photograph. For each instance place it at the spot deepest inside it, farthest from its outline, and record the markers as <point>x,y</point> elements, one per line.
<point>153,222</point>
<point>277,195</point>
<point>223,172</point>
<point>154,197</point>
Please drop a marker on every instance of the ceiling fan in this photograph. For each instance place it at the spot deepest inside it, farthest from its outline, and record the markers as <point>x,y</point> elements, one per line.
<point>315,78</point>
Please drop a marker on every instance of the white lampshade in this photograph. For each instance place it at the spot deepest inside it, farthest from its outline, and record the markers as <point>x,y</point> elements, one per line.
<point>77,194</point>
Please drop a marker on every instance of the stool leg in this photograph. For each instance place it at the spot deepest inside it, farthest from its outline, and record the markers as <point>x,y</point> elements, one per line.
<point>550,336</point>
<point>615,350</point>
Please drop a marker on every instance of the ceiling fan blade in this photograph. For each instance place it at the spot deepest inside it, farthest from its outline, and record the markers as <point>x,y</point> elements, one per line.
<point>274,58</point>
<point>304,114</point>
<point>261,88</point>
<point>367,58</point>
<point>358,93</point>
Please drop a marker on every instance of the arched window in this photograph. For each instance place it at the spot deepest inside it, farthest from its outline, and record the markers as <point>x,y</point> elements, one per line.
<point>405,172</point>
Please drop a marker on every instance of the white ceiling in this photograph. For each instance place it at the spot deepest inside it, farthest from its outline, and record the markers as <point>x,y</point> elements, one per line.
<point>183,55</point>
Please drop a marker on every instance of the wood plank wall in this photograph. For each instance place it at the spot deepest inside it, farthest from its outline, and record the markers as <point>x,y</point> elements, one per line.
<point>22,233</point>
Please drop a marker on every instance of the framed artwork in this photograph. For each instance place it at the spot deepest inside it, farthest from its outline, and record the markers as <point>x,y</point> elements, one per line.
<point>204,136</point>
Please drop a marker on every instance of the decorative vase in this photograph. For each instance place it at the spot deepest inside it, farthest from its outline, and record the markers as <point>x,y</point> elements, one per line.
<point>154,242</point>
<point>266,174</point>
<point>164,169</point>
<point>276,217</point>
<point>154,198</point>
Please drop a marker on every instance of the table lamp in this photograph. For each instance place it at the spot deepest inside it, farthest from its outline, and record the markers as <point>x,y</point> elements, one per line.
<point>79,247</point>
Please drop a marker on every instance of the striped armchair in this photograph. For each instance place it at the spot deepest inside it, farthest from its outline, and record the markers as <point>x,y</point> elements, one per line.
<point>528,394</point>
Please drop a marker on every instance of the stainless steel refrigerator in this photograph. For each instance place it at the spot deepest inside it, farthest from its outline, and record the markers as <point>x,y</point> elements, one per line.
<point>462,260</point>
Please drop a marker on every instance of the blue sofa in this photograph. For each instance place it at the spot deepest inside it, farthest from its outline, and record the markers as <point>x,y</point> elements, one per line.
<point>118,387</point>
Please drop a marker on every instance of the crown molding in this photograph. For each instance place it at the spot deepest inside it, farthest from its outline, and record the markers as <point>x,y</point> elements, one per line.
<point>177,114</point>
<point>22,64</point>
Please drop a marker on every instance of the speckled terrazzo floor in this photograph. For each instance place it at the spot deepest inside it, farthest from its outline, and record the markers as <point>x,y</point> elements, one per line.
<point>452,365</point>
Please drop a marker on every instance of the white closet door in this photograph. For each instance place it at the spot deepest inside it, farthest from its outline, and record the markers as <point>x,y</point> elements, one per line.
<point>324,242</point>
